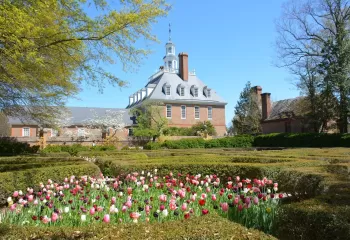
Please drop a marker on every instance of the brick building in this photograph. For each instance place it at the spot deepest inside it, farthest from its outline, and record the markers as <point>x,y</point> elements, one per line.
<point>187,100</point>
<point>287,115</point>
<point>76,128</point>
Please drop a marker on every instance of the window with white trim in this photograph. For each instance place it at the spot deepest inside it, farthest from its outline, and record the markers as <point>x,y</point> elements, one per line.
<point>210,113</point>
<point>168,111</point>
<point>81,132</point>
<point>54,132</point>
<point>183,112</point>
<point>26,132</point>
<point>196,112</point>
<point>182,91</point>
<point>196,92</point>
<point>170,64</point>
<point>167,90</point>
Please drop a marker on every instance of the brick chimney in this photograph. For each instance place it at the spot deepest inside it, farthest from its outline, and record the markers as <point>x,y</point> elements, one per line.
<point>258,90</point>
<point>183,66</point>
<point>266,105</point>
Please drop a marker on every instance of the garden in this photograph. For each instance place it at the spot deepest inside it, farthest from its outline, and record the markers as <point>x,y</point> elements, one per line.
<point>216,193</point>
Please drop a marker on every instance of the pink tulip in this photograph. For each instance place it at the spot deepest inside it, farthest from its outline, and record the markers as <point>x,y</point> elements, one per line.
<point>161,207</point>
<point>147,209</point>
<point>235,202</point>
<point>99,209</point>
<point>35,202</point>
<point>207,189</point>
<point>15,194</point>
<point>13,207</point>
<point>184,207</point>
<point>224,207</point>
<point>115,184</point>
<point>240,184</point>
<point>92,211</point>
<point>54,217</point>
<point>124,208</point>
<point>128,204</point>
<point>240,207</point>
<point>30,198</point>
<point>213,197</point>
<point>114,199</point>
<point>238,179</point>
<point>106,218</point>
<point>256,200</point>
<point>247,200</point>
<point>172,206</point>
<point>46,220</point>
<point>162,198</point>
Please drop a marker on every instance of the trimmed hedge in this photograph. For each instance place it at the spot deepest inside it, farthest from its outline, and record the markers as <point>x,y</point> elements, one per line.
<point>10,146</point>
<point>74,149</point>
<point>227,142</point>
<point>302,140</point>
<point>210,226</point>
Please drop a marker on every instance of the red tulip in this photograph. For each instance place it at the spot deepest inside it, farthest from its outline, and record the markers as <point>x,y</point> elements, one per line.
<point>201,202</point>
<point>187,215</point>
<point>205,211</point>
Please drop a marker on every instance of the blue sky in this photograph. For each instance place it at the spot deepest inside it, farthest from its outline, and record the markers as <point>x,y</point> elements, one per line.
<point>229,42</point>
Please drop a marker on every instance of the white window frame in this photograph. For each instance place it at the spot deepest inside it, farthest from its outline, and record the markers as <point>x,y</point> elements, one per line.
<point>166,90</point>
<point>185,111</point>
<point>81,132</point>
<point>210,116</point>
<point>182,91</point>
<point>23,129</point>
<point>54,132</point>
<point>199,112</point>
<point>195,92</point>
<point>166,111</point>
<point>170,64</point>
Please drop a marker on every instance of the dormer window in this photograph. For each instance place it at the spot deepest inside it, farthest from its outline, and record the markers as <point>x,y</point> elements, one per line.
<point>167,90</point>
<point>207,92</point>
<point>194,91</point>
<point>182,91</point>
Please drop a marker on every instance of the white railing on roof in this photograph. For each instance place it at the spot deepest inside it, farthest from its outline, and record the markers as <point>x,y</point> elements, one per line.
<point>168,70</point>
<point>193,72</point>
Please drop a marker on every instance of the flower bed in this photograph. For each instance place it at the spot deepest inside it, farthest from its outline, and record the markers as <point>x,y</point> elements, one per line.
<point>144,197</point>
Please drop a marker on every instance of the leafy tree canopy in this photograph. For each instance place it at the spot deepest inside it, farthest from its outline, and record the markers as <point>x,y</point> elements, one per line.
<point>48,48</point>
<point>150,120</point>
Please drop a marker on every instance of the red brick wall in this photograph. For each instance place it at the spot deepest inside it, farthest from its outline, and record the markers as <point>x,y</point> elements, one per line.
<point>279,126</point>
<point>218,116</point>
<point>16,130</point>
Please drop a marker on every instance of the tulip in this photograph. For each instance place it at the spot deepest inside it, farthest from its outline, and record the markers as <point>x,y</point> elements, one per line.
<point>224,207</point>
<point>13,207</point>
<point>201,202</point>
<point>184,207</point>
<point>236,201</point>
<point>66,209</point>
<point>247,200</point>
<point>256,200</point>
<point>187,215</point>
<point>205,211</point>
<point>213,197</point>
<point>106,218</point>
<point>30,198</point>
<point>162,198</point>
<point>83,217</point>
<point>46,220</point>
<point>161,207</point>
<point>172,206</point>
<point>92,211</point>
<point>36,202</point>
<point>240,207</point>
<point>15,194</point>
<point>165,212</point>
<point>124,208</point>
<point>54,217</point>
<point>238,179</point>
<point>113,200</point>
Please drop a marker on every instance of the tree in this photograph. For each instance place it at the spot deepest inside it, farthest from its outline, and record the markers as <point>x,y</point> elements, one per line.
<point>247,112</point>
<point>4,126</point>
<point>48,48</point>
<point>319,30</point>
<point>205,127</point>
<point>150,120</point>
<point>318,105</point>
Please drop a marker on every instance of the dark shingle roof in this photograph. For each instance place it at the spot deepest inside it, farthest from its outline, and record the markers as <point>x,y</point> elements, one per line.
<point>285,108</point>
<point>80,114</point>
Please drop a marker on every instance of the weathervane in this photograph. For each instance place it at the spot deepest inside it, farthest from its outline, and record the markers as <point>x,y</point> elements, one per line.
<point>169,32</point>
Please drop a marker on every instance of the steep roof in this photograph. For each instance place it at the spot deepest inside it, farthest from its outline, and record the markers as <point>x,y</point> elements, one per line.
<point>78,115</point>
<point>173,80</point>
<point>286,108</point>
